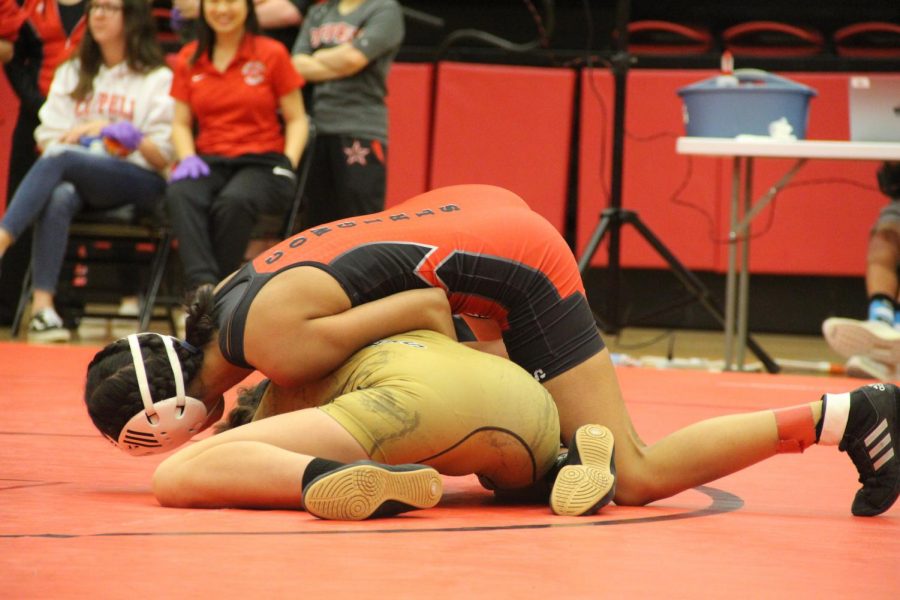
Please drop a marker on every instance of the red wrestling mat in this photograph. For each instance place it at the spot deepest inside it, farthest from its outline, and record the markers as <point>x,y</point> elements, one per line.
<point>77,518</point>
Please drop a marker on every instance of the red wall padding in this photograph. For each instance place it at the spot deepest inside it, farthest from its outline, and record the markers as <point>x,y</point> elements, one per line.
<point>510,126</point>
<point>652,170</point>
<point>409,110</point>
<point>507,126</point>
<point>812,229</point>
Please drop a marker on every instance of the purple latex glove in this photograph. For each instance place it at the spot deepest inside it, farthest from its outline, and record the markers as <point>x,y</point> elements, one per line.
<point>126,134</point>
<point>176,21</point>
<point>190,167</point>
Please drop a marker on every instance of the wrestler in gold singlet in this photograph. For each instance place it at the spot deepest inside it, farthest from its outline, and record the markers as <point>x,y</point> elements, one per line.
<point>422,398</point>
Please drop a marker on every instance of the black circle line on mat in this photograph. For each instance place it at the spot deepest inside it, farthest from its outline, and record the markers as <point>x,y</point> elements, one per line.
<point>722,502</point>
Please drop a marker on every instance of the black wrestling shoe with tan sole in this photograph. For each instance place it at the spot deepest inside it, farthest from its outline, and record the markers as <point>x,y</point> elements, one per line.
<point>367,489</point>
<point>872,439</point>
<point>588,481</point>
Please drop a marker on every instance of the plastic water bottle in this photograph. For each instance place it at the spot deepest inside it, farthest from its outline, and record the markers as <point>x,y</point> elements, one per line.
<point>726,77</point>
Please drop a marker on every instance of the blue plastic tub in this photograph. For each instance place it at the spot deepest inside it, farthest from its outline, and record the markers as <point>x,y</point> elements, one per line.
<point>745,103</point>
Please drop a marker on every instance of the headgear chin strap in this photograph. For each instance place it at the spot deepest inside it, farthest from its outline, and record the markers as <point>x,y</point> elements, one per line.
<point>163,425</point>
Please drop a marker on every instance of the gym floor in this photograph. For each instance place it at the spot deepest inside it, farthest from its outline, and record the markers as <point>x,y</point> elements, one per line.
<point>77,518</point>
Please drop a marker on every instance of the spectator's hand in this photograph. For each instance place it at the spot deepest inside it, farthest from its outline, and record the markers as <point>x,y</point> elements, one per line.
<point>287,162</point>
<point>190,167</point>
<point>176,19</point>
<point>187,9</point>
<point>123,132</point>
<point>91,129</point>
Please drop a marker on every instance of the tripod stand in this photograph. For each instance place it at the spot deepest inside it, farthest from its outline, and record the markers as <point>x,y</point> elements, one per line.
<point>615,217</point>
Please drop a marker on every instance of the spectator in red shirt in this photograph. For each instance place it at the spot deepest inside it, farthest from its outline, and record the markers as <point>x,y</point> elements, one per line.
<point>229,87</point>
<point>11,18</point>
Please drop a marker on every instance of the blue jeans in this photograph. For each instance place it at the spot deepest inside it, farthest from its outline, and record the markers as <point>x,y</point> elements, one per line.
<point>61,184</point>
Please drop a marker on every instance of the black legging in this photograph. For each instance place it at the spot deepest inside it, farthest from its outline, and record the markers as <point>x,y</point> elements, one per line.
<point>213,217</point>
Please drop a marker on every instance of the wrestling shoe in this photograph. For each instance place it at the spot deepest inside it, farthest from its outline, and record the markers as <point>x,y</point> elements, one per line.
<point>873,339</point>
<point>867,368</point>
<point>587,482</point>
<point>872,439</point>
<point>367,489</point>
<point>46,327</point>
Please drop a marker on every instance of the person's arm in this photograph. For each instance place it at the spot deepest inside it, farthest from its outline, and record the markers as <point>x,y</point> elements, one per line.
<point>293,342</point>
<point>156,121</point>
<point>273,14</point>
<point>296,127</point>
<point>381,33</point>
<point>495,347</point>
<point>330,63</point>
<point>152,153</point>
<point>57,115</point>
<point>182,132</point>
<point>6,51</point>
<point>189,9</point>
<point>11,19</point>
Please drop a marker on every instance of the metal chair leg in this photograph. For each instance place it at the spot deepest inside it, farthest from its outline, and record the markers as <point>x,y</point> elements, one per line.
<point>157,270</point>
<point>24,298</point>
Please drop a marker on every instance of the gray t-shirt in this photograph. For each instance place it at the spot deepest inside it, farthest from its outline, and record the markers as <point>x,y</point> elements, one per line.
<point>354,105</point>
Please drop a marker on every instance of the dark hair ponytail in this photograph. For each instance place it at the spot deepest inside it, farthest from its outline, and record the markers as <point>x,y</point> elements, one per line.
<point>111,391</point>
<point>200,325</point>
<point>247,402</point>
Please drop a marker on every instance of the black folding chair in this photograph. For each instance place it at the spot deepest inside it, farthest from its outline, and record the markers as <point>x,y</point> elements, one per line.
<point>119,237</point>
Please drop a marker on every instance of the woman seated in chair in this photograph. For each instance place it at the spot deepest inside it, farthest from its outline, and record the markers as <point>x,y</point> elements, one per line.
<point>105,138</point>
<point>229,87</point>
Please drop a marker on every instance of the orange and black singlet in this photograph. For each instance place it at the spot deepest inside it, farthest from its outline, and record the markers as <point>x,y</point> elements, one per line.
<point>493,255</point>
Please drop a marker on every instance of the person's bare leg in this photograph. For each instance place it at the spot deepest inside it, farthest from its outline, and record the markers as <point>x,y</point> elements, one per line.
<point>258,465</point>
<point>40,300</point>
<point>6,240</point>
<point>881,262</point>
<point>697,454</point>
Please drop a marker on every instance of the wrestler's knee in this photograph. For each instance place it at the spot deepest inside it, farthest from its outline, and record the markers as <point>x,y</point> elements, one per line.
<point>633,491</point>
<point>170,486</point>
<point>635,484</point>
<point>164,487</point>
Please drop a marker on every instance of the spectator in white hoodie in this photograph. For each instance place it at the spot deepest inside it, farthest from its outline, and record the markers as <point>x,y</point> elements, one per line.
<point>105,136</point>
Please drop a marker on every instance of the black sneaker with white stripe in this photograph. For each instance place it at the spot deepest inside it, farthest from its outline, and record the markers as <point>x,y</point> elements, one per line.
<point>871,439</point>
<point>47,327</point>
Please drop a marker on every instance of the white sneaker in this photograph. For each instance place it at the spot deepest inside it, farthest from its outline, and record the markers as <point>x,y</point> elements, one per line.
<point>867,368</point>
<point>123,327</point>
<point>873,339</point>
<point>47,327</point>
<point>94,329</point>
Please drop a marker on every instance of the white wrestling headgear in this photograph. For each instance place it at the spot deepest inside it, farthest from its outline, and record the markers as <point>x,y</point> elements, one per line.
<point>163,425</point>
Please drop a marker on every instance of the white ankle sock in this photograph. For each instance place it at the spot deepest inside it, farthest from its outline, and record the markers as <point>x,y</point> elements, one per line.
<point>834,418</point>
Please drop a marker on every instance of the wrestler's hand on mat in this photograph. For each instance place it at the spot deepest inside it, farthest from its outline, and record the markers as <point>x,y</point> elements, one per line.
<point>190,167</point>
